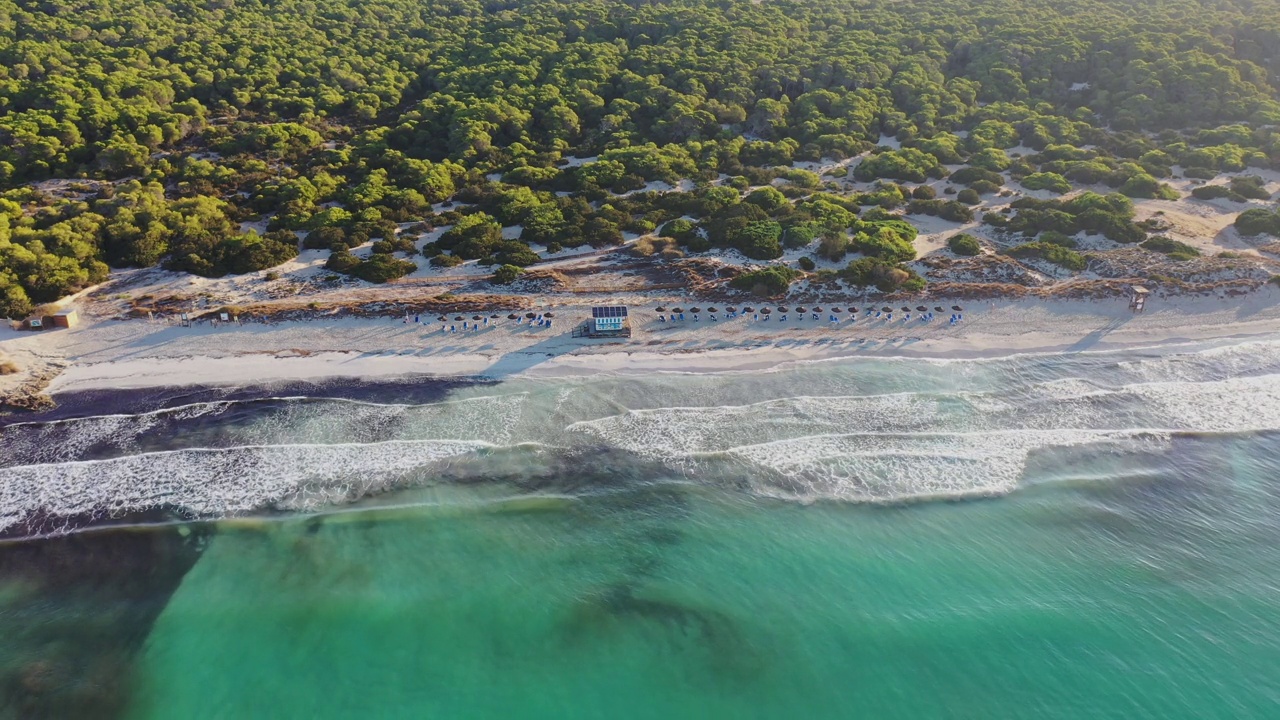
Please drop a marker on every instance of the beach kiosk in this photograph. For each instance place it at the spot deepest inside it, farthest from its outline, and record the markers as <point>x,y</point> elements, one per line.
<point>607,321</point>
<point>1138,298</point>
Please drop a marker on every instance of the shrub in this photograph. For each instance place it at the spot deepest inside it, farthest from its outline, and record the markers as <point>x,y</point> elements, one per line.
<point>969,196</point>
<point>1200,173</point>
<point>1049,252</point>
<point>1143,185</point>
<point>797,236</point>
<point>834,246</point>
<point>445,261</point>
<point>1258,221</point>
<point>969,175</point>
<point>1250,186</point>
<point>924,192</point>
<point>964,244</point>
<point>506,274</point>
<point>885,276</point>
<point>381,268</point>
<point>807,264</point>
<point>886,243</point>
<point>1053,182</point>
<point>342,262</point>
<point>983,187</point>
<point>766,282</point>
<point>1213,192</point>
<point>1174,249</point>
<point>1054,237</point>
<point>324,237</point>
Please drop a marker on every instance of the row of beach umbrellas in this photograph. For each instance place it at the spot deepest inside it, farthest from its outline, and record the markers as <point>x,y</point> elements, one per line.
<point>783,308</point>
<point>495,316</point>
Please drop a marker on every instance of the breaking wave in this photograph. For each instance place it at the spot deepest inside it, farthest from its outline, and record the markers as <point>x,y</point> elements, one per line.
<point>865,431</point>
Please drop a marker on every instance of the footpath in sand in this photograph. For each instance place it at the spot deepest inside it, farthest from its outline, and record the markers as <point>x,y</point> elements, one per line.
<point>106,353</point>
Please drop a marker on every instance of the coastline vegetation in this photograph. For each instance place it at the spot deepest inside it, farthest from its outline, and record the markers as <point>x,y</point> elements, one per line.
<point>135,133</point>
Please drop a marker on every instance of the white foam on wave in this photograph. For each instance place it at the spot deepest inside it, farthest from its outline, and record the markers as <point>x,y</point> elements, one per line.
<point>213,482</point>
<point>298,419</point>
<point>897,446</point>
<point>44,442</point>
<point>885,468</point>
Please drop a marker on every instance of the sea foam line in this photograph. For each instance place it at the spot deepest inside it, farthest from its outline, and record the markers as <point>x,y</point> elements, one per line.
<point>219,481</point>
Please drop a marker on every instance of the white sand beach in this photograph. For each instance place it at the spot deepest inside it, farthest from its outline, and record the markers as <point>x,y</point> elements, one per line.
<point>111,353</point>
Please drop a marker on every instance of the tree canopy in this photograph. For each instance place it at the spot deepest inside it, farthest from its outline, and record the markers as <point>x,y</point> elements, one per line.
<point>183,119</point>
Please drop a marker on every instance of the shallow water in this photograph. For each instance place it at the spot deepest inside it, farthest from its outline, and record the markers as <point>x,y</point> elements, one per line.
<point>752,545</point>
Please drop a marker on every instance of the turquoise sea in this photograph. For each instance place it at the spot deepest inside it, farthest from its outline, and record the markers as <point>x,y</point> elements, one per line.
<point>1090,535</point>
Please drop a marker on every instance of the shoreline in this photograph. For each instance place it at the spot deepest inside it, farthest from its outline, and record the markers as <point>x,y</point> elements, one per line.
<point>135,354</point>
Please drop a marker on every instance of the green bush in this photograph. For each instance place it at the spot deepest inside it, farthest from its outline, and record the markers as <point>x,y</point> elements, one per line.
<point>1250,186</point>
<point>382,268</point>
<point>506,274</point>
<point>446,261</point>
<point>766,282</point>
<point>1213,192</point>
<point>1055,254</point>
<point>1053,182</point>
<point>1257,221</point>
<point>1174,249</point>
<point>885,276</point>
<point>886,243</point>
<point>964,244</point>
<point>807,264</point>
<point>968,196</point>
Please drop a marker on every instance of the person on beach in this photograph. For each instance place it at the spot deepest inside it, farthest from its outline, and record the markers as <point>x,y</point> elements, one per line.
<point>662,318</point>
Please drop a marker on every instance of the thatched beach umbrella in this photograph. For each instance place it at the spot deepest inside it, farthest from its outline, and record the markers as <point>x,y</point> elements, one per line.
<point>886,309</point>
<point>695,310</point>
<point>938,308</point>
<point>676,310</point>
<point>476,317</point>
<point>800,309</point>
<point>765,311</point>
<point>459,317</point>
<point>853,309</point>
<point>659,309</point>
<point>782,308</point>
<point>442,318</point>
<point>957,308</point>
<point>711,309</point>
<point>547,315</point>
<point>922,308</point>
<point>513,316</point>
<point>906,309</point>
<point>731,309</point>
<point>817,309</point>
<point>531,315</point>
<point>836,310</point>
<point>494,316</point>
<point>748,309</point>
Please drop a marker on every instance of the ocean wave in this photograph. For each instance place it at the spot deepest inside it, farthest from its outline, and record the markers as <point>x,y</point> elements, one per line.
<point>219,481</point>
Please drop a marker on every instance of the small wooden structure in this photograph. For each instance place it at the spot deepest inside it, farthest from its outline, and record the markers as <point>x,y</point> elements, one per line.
<point>65,319</point>
<point>607,321</point>
<point>1138,298</point>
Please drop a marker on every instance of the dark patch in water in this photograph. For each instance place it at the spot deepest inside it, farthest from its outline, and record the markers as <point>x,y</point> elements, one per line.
<point>420,390</point>
<point>76,611</point>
